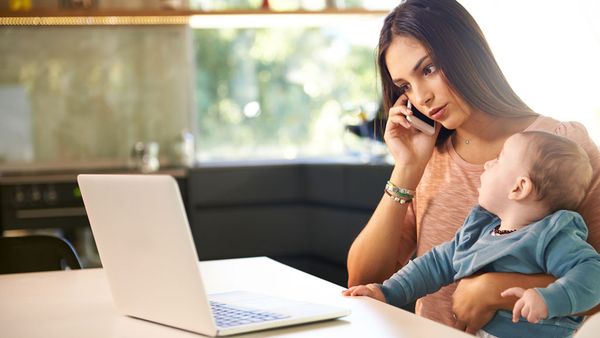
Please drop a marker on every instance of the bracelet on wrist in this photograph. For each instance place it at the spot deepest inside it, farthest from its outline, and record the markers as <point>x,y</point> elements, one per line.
<point>400,195</point>
<point>392,188</point>
<point>401,200</point>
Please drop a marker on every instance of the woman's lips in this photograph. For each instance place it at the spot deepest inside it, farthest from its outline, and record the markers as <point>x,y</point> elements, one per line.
<point>439,113</point>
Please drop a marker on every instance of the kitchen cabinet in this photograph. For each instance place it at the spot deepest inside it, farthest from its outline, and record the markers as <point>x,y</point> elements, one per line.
<point>305,215</point>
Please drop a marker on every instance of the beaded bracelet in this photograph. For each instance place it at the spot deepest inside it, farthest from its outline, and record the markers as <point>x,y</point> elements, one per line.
<point>398,199</point>
<point>392,188</point>
<point>400,195</point>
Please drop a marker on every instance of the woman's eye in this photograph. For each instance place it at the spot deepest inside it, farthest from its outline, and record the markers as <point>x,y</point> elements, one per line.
<point>402,88</point>
<point>429,69</point>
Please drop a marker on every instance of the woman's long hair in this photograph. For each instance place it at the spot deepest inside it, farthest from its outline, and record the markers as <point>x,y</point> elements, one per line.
<point>458,48</point>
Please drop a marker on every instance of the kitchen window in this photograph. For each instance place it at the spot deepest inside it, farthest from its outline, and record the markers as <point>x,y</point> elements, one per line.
<point>283,92</point>
<point>290,91</point>
<point>281,86</point>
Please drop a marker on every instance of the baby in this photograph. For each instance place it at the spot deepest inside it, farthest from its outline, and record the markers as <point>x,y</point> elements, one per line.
<point>522,224</point>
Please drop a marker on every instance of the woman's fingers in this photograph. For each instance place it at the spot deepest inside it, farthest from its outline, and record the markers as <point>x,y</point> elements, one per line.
<point>398,115</point>
<point>402,101</point>
<point>399,119</point>
<point>400,110</point>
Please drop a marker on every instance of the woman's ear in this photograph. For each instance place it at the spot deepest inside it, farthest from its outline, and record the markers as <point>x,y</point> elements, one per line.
<point>522,188</point>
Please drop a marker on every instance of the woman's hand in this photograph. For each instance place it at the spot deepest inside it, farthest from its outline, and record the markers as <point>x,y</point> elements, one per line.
<point>406,144</point>
<point>471,309</point>
<point>478,297</point>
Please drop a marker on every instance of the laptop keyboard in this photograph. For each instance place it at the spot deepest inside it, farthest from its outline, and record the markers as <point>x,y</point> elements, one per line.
<point>227,315</point>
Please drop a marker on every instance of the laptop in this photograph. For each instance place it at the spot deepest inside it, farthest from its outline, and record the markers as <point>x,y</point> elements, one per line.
<point>149,257</point>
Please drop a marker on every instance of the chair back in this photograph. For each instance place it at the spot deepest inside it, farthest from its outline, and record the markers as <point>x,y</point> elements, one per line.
<point>36,253</point>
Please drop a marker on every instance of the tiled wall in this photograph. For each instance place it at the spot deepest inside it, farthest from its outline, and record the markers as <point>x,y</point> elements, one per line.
<point>91,92</point>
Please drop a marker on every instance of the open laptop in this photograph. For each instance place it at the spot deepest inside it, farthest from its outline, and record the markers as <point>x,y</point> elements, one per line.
<point>147,251</point>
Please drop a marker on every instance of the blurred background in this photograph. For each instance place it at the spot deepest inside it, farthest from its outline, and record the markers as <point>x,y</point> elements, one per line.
<point>240,91</point>
<point>250,87</point>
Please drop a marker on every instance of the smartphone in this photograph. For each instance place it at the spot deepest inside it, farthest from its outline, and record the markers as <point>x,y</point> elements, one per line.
<point>420,121</point>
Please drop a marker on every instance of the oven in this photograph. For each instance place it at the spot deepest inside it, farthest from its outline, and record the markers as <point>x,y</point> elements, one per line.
<point>41,201</point>
<point>50,202</point>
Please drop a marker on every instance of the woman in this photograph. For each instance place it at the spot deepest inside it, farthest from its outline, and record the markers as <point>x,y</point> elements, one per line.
<point>433,54</point>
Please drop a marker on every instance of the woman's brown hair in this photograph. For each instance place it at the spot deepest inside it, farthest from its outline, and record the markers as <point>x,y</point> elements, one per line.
<point>458,48</point>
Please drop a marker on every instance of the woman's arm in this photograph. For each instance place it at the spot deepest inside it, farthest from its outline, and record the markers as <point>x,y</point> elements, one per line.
<point>591,311</point>
<point>477,298</point>
<point>386,240</point>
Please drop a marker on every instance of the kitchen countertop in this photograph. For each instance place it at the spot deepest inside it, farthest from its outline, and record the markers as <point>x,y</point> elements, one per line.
<point>68,171</point>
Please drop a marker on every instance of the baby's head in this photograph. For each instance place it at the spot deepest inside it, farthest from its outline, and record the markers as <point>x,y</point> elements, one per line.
<point>536,166</point>
<point>560,169</point>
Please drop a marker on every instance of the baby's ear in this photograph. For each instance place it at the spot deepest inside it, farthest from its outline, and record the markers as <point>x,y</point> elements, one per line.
<point>522,188</point>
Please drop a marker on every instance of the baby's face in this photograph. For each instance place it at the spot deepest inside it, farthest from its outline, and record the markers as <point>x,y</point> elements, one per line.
<point>501,174</point>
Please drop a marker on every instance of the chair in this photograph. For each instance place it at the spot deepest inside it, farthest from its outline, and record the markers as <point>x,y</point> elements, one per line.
<point>36,253</point>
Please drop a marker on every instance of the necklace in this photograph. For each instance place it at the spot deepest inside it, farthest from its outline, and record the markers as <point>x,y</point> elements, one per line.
<point>497,232</point>
<point>459,140</point>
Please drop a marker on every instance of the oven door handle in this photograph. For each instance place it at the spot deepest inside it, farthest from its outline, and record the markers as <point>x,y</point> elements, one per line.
<point>50,213</point>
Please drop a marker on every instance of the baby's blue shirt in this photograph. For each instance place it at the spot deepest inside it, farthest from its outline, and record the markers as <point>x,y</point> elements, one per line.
<point>554,245</point>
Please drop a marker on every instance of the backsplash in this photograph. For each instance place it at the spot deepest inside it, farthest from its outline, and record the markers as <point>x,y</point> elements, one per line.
<point>79,94</point>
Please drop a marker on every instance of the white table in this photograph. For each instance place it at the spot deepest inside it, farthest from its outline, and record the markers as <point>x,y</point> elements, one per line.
<point>78,304</point>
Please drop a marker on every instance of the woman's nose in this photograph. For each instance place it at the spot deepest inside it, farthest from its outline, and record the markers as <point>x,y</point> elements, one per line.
<point>423,97</point>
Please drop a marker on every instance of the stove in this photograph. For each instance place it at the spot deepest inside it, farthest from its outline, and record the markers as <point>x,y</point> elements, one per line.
<point>33,199</point>
<point>47,200</point>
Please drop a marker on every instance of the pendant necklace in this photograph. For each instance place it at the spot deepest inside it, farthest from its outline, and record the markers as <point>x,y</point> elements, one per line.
<point>465,141</point>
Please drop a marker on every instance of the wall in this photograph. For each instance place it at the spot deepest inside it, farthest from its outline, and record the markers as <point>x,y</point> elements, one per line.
<point>91,92</point>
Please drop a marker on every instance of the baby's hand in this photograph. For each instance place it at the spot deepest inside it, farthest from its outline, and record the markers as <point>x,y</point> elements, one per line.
<point>369,290</point>
<point>530,304</point>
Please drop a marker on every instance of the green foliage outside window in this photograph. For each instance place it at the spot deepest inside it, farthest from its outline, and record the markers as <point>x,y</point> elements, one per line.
<point>279,92</point>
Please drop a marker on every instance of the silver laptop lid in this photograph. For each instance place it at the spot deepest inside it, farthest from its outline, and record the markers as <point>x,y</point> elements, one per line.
<point>147,250</point>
